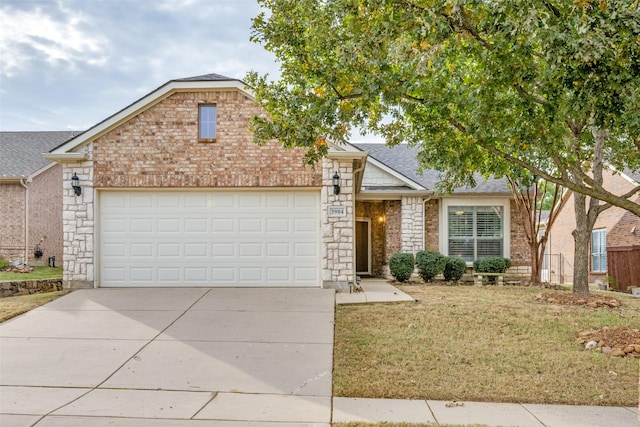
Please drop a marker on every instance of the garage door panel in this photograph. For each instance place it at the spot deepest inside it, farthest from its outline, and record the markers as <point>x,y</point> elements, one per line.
<point>208,239</point>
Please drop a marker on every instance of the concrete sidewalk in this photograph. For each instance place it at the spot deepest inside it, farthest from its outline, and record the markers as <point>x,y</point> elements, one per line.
<point>432,412</point>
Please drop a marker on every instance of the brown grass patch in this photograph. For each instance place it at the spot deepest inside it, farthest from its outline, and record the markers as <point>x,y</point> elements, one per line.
<point>481,344</point>
<point>14,306</point>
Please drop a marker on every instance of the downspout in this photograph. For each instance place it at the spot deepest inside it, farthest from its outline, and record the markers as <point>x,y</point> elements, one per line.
<point>26,221</point>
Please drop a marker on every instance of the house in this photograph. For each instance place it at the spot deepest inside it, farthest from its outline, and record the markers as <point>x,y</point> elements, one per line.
<point>30,197</point>
<point>172,191</point>
<point>615,240</point>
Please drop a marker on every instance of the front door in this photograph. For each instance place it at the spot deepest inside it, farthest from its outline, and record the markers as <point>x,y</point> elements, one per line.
<point>363,247</point>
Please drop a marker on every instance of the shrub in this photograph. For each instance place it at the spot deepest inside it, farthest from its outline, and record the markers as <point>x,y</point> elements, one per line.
<point>454,268</point>
<point>401,266</point>
<point>430,264</point>
<point>4,263</point>
<point>492,264</point>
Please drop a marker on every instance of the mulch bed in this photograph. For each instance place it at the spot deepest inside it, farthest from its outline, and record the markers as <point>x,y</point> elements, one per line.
<point>618,342</point>
<point>593,301</point>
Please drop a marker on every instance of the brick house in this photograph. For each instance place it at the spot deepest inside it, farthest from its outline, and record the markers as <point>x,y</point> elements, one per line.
<point>30,196</point>
<point>175,193</point>
<point>616,231</point>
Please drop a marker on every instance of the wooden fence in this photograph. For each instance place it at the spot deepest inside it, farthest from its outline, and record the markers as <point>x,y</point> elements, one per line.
<point>623,265</point>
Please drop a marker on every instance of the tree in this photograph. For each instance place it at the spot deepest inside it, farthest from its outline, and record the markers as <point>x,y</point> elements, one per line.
<point>478,86</point>
<point>532,197</point>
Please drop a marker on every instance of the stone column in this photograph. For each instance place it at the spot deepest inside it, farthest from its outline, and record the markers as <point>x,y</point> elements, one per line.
<point>337,225</point>
<point>78,227</point>
<point>412,227</point>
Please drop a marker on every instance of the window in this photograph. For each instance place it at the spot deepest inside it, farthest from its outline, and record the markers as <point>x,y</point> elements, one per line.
<point>207,122</point>
<point>475,232</point>
<point>599,251</point>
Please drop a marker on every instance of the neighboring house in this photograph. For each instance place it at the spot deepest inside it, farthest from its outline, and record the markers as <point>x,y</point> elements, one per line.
<point>30,196</point>
<point>615,241</point>
<point>175,193</point>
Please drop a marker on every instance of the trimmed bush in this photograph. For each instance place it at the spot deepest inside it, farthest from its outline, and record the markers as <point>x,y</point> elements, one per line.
<point>430,264</point>
<point>4,263</point>
<point>454,268</point>
<point>401,266</point>
<point>492,264</point>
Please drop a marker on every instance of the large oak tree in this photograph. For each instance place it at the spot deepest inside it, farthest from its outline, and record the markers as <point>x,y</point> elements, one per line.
<point>552,87</point>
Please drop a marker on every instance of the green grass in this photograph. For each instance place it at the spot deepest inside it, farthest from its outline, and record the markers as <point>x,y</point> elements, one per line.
<point>39,273</point>
<point>494,344</point>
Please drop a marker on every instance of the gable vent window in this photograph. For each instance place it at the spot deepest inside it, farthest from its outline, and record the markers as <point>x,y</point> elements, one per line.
<point>207,122</point>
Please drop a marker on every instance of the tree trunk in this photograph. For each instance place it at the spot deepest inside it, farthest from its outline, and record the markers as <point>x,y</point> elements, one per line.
<point>581,238</point>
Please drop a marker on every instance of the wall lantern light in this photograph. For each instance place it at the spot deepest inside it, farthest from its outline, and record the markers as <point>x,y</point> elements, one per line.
<point>336,183</point>
<point>75,183</point>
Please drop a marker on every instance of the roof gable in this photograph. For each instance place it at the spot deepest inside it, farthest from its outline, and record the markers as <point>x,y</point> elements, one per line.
<point>403,159</point>
<point>204,82</point>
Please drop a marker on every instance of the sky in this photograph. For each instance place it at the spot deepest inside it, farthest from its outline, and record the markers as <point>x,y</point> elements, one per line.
<point>69,64</point>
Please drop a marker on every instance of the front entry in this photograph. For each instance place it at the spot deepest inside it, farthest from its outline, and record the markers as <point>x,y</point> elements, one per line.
<point>363,246</point>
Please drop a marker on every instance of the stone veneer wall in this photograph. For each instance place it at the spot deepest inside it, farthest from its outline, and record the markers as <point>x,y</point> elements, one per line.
<point>338,232</point>
<point>78,227</point>
<point>412,224</point>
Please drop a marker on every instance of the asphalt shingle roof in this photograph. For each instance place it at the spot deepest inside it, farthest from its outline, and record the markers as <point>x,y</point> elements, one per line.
<point>213,77</point>
<point>404,159</point>
<point>21,152</point>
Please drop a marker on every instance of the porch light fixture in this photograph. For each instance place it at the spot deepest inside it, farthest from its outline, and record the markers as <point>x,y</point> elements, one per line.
<point>336,183</point>
<point>75,183</point>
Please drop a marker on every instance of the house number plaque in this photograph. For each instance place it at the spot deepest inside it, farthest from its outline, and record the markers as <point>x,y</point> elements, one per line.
<point>337,211</point>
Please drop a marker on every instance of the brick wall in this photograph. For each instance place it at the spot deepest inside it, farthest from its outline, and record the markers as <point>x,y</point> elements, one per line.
<point>45,215</point>
<point>159,148</point>
<point>393,230</point>
<point>520,254</point>
<point>12,221</point>
<point>432,225</point>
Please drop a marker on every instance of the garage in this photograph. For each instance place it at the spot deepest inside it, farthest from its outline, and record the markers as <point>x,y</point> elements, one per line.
<point>218,238</point>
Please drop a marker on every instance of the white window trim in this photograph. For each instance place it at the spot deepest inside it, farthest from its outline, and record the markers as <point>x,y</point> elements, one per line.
<point>591,254</point>
<point>443,226</point>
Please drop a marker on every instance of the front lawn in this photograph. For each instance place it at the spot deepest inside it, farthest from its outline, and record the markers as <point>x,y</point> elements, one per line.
<point>38,273</point>
<point>495,344</point>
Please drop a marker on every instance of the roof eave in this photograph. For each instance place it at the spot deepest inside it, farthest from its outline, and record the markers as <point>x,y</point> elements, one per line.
<point>67,157</point>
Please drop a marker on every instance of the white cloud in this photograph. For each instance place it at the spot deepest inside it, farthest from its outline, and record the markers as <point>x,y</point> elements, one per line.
<point>32,35</point>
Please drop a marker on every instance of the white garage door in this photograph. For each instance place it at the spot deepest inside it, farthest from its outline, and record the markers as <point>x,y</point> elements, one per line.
<point>157,238</point>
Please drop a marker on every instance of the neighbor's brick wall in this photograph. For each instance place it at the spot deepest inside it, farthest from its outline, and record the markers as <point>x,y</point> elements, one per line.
<point>561,240</point>
<point>159,148</point>
<point>45,215</point>
<point>12,221</point>
<point>375,211</point>
<point>432,225</point>
<point>520,254</point>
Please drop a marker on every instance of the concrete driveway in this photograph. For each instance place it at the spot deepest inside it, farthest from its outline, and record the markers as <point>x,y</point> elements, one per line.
<point>170,357</point>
